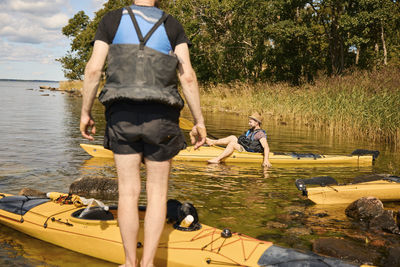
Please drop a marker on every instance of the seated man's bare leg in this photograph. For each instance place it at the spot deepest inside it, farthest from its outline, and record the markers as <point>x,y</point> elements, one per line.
<point>128,168</point>
<point>226,153</point>
<point>222,142</point>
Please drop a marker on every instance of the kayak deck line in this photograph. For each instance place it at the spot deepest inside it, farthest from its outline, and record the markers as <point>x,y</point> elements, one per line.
<point>205,153</point>
<point>217,249</point>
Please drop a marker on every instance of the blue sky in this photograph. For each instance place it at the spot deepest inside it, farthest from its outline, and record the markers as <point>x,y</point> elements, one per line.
<point>31,38</point>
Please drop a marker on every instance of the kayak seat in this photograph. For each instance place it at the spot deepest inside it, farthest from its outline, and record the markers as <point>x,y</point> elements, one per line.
<point>364,152</point>
<point>298,155</point>
<point>305,155</point>
<point>94,213</point>
<point>395,179</point>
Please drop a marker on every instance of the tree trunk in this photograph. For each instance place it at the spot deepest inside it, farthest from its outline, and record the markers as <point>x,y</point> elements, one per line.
<point>383,46</point>
<point>357,55</point>
<point>341,55</point>
<point>377,55</point>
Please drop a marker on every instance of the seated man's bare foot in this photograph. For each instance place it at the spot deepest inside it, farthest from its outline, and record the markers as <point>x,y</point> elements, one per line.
<point>210,142</point>
<point>213,161</point>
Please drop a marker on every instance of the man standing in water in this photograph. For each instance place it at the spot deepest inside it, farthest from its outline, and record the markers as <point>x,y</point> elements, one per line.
<point>253,140</point>
<point>145,46</point>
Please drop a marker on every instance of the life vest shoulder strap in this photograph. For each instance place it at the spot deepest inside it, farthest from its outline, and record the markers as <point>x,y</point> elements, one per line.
<point>143,40</point>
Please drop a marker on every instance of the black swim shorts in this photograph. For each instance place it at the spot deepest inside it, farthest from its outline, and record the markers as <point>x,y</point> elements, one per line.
<point>148,128</point>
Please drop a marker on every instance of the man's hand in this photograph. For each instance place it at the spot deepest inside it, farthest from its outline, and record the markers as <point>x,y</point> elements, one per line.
<point>198,135</point>
<point>87,123</point>
<point>267,164</point>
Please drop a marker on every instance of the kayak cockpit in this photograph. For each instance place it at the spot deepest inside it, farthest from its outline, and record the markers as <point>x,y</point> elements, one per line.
<point>96,213</point>
<point>176,213</point>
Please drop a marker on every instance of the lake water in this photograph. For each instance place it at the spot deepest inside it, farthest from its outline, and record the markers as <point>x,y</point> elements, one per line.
<point>39,149</point>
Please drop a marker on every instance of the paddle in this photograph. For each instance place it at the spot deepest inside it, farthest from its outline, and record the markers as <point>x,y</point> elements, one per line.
<point>188,125</point>
<point>185,124</point>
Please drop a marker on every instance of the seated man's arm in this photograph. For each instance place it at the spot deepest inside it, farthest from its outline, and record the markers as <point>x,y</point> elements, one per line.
<point>265,145</point>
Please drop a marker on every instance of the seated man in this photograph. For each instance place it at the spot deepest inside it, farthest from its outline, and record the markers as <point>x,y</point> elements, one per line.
<point>254,140</point>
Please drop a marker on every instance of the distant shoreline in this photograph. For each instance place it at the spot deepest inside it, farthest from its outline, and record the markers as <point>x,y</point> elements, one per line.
<point>20,80</point>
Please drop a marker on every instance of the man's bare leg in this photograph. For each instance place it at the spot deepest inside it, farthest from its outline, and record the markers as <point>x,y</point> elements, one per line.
<point>221,142</point>
<point>226,153</point>
<point>128,168</point>
<point>156,211</point>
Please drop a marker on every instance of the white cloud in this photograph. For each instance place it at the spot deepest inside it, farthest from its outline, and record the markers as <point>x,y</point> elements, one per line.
<point>97,4</point>
<point>19,52</point>
<point>25,33</point>
<point>40,7</point>
<point>31,21</point>
<point>31,30</point>
<point>55,22</point>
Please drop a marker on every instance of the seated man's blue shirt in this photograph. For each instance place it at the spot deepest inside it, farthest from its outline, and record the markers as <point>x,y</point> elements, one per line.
<point>146,18</point>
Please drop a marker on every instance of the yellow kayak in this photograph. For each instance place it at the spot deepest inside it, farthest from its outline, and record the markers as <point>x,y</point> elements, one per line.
<point>387,189</point>
<point>205,153</point>
<point>64,221</point>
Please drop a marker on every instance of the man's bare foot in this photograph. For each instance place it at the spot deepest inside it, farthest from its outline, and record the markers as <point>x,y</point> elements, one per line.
<point>125,265</point>
<point>210,142</point>
<point>213,161</point>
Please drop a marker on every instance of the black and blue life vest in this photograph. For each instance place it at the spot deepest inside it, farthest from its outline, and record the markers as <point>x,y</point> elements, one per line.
<point>139,73</point>
<point>248,142</point>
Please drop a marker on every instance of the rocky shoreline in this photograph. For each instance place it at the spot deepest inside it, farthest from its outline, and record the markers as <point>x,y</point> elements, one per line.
<point>70,91</point>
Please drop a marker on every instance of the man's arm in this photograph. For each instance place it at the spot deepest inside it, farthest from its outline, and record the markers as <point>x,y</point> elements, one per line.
<point>265,145</point>
<point>190,90</point>
<point>91,83</point>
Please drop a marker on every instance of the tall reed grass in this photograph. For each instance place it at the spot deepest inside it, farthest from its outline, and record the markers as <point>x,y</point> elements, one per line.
<point>70,85</point>
<point>360,104</point>
<point>76,85</point>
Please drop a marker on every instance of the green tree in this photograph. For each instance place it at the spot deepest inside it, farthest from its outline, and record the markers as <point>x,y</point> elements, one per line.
<point>328,13</point>
<point>81,31</point>
<point>272,40</point>
<point>296,52</point>
<point>372,27</point>
<point>73,63</point>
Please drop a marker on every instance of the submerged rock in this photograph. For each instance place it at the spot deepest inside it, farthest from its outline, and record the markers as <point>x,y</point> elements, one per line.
<point>104,188</point>
<point>299,231</point>
<point>398,218</point>
<point>365,208</point>
<point>321,215</point>
<point>31,192</point>
<point>393,258</point>
<point>370,213</point>
<point>346,250</point>
<point>277,225</point>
